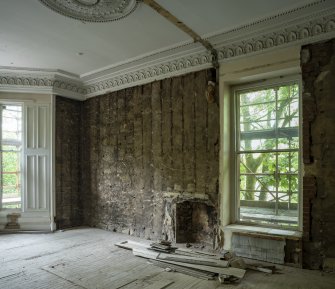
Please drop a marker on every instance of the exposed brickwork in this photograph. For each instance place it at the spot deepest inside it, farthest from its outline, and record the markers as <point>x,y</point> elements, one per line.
<point>318,73</point>
<point>141,142</point>
<point>309,193</point>
<point>68,201</point>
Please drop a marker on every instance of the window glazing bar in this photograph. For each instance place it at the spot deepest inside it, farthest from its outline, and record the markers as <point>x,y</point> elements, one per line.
<point>267,151</point>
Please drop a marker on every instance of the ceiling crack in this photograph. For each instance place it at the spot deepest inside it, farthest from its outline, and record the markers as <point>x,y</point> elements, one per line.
<point>182,26</point>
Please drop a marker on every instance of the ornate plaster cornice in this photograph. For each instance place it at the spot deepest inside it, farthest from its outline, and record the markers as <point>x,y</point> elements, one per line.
<point>299,26</point>
<point>307,24</point>
<point>41,81</point>
<point>297,34</point>
<point>148,73</point>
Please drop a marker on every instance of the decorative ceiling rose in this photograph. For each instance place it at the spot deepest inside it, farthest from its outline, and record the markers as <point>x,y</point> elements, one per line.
<point>92,10</point>
<point>88,2</point>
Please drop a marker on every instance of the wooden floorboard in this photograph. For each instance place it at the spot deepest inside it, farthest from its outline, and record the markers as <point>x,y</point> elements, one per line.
<point>87,258</point>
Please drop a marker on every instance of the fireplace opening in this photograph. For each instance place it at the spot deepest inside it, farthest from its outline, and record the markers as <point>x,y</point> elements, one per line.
<point>195,222</point>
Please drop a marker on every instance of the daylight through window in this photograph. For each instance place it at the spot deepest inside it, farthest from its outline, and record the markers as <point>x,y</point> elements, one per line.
<point>10,156</point>
<point>267,155</point>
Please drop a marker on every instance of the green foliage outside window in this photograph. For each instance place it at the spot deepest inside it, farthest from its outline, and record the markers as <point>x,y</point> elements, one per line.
<point>10,145</point>
<point>268,145</point>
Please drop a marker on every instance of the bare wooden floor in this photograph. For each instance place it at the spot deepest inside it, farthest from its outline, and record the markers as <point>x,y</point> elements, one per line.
<point>87,258</point>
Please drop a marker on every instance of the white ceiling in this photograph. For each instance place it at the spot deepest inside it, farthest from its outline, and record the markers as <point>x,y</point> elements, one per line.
<point>33,36</point>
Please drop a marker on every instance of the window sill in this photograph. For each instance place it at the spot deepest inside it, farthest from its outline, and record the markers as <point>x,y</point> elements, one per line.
<point>5,212</point>
<point>262,230</point>
<point>32,214</point>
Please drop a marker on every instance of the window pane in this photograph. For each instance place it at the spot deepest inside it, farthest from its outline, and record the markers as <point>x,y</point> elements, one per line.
<point>10,161</point>
<point>288,113</point>
<point>288,143</point>
<point>288,185</point>
<point>257,110</point>
<point>11,122</point>
<point>288,162</point>
<point>257,187</point>
<point>247,143</point>
<point>258,163</point>
<point>288,91</point>
<point>11,185</point>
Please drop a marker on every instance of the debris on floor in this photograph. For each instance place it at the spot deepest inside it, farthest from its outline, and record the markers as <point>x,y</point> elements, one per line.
<point>237,262</point>
<point>227,279</point>
<point>261,268</point>
<point>227,268</point>
<point>162,246</point>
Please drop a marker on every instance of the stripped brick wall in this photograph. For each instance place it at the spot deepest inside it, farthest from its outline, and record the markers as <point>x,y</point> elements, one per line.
<point>309,194</point>
<point>141,142</point>
<point>68,197</point>
<point>318,99</point>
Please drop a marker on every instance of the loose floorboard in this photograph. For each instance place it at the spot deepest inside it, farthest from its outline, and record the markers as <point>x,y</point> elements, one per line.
<point>86,258</point>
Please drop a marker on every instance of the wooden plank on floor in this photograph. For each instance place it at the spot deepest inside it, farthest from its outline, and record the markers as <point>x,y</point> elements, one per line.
<point>185,270</point>
<point>189,252</point>
<point>227,271</point>
<point>130,245</point>
<point>193,260</point>
<point>145,253</point>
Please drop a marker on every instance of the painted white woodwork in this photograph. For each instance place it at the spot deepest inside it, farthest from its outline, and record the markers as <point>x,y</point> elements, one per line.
<point>37,211</point>
<point>37,157</point>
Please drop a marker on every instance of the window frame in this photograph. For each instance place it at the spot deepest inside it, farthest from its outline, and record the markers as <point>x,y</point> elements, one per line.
<point>22,164</point>
<point>259,85</point>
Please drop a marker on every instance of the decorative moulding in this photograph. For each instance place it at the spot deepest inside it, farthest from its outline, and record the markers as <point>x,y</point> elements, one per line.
<point>41,81</point>
<point>92,10</point>
<point>307,24</point>
<point>297,34</point>
<point>145,73</point>
<point>311,23</point>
